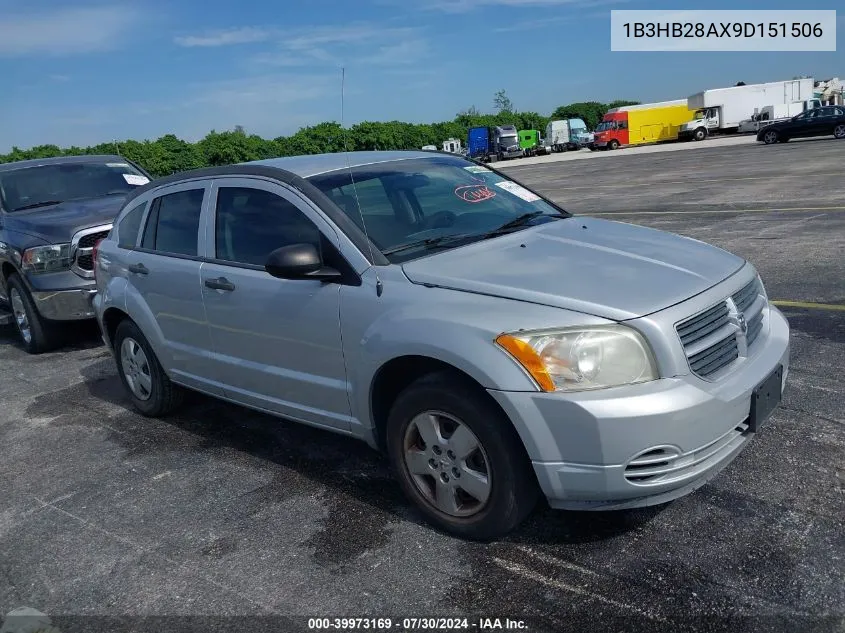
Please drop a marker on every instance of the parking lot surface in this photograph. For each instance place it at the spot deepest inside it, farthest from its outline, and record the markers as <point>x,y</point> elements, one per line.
<point>220,511</point>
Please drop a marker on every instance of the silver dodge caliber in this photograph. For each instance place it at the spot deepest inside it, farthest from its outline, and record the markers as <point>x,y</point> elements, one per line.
<point>494,346</point>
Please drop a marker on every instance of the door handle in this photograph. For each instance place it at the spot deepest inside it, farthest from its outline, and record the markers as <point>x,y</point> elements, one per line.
<point>139,269</point>
<point>221,283</point>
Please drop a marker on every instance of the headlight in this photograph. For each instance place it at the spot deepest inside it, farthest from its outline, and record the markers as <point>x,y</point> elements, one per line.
<point>46,259</point>
<point>580,359</point>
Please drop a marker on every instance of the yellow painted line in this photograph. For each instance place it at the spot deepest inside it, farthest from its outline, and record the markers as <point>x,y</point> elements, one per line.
<point>810,305</point>
<point>710,211</point>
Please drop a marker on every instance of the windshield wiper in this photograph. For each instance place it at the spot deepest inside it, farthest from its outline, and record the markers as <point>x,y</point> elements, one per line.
<point>37,204</point>
<point>429,243</point>
<point>520,221</point>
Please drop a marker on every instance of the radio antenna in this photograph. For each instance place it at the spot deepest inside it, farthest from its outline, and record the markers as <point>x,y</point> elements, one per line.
<point>379,286</point>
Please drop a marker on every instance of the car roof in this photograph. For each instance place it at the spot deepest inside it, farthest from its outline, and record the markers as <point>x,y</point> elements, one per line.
<point>61,160</point>
<point>316,164</point>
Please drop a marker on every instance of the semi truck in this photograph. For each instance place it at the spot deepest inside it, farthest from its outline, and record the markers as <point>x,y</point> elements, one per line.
<point>720,111</point>
<point>493,143</point>
<point>641,124</point>
<point>566,134</point>
<point>533,144</point>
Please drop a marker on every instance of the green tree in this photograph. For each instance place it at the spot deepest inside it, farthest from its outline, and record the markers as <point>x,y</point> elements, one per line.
<point>502,102</point>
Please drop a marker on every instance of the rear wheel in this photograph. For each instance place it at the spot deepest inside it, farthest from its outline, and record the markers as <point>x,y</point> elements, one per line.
<point>770,137</point>
<point>37,335</point>
<point>458,458</point>
<point>151,391</point>
<point>839,131</point>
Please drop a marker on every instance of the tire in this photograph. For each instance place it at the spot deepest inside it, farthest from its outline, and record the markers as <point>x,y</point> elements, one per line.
<point>770,137</point>
<point>37,335</point>
<point>505,489</point>
<point>613,145</point>
<point>839,131</point>
<point>151,391</point>
<point>700,134</point>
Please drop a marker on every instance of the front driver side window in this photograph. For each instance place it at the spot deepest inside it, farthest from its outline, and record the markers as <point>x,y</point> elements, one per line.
<point>252,223</point>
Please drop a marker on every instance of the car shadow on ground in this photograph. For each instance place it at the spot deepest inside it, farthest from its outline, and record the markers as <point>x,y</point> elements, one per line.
<point>75,336</point>
<point>319,460</point>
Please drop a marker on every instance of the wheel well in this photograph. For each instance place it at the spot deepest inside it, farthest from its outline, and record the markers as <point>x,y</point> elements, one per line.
<point>395,375</point>
<point>111,319</point>
<point>8,270</point>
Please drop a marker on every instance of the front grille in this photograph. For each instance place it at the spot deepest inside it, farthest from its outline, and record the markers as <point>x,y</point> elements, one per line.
<point>745,297</point>
<point>85,262</point>
<point>88,241</point>
<point>704,324</point>
<point>709,340</point>
<point>83,245</point>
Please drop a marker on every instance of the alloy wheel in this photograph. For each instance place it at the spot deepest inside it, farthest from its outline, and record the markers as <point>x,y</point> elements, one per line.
<point>136,369</point>
<point>21,317</point>
<point>839,131</point>
<point>770,137</point>
<point>447,464</point>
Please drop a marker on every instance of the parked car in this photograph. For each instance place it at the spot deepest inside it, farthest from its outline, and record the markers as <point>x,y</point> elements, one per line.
<point>816,122</point>
<point>52,211</point>
<point>493,345</point>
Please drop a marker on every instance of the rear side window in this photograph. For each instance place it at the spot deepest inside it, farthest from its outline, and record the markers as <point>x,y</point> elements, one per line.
<point>127,229</point>
<point>173,224</point>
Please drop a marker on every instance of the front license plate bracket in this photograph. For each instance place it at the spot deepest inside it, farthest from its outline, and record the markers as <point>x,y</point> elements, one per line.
<point>765,399</point>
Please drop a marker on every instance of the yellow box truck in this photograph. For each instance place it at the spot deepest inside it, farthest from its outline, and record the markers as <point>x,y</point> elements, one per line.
<point>644,123</point>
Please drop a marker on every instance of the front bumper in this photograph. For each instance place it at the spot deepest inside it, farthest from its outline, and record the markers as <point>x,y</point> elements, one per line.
<point>583,445</point>
<point>685,135</point>
<point>65,305</point>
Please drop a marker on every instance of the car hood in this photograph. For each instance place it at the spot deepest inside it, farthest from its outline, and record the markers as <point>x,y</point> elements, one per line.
<point>57,224</point>
<point>600,267</point>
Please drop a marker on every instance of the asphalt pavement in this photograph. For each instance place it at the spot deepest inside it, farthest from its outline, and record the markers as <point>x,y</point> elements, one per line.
<point>241,520</point>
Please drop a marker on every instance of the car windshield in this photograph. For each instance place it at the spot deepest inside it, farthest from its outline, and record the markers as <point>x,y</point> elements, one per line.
<point>33,187</point>
<point>508,140</point>
<point>418,201</point>
<point>604,125</point>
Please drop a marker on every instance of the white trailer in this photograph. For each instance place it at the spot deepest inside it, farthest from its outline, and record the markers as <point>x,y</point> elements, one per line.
<point>723,109</point>
<point>452,145</point>
<point>776,113</point>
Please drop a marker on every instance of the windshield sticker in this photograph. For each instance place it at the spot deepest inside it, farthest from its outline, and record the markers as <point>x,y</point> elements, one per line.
<point>474,193</point>
<point>518,190</point>
<point>478,169</point>
<point>135,179</point>
<point>121,165</point>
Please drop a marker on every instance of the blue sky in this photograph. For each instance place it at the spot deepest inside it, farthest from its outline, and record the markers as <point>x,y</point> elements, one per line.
<point>87,71</point>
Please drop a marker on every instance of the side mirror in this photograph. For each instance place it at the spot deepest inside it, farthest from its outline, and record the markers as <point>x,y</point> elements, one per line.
<point>299,261</point>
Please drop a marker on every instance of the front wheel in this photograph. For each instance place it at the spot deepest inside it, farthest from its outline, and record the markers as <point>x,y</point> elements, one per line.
<point>770,137</point>
<point>37,335</point>
<point>700,134</point>
<point>458,458</point>
<point>839,131</point>
<point>614,144</point>
<point>149,388</point>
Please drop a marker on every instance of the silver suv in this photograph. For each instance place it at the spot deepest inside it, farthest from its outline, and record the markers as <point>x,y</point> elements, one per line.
<point>493,345</point>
